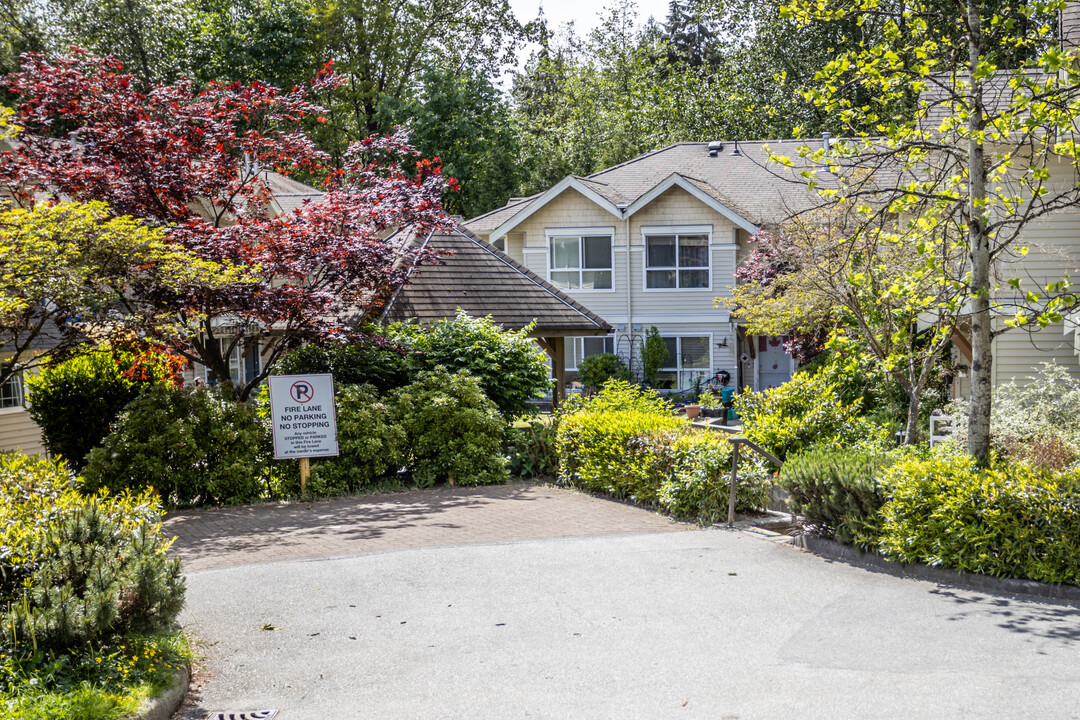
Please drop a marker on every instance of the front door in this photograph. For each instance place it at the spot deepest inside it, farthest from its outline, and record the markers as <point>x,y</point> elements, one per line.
<point>774,364</point>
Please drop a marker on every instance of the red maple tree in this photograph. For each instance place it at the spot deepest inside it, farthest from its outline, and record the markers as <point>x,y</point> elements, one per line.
<point>197,163</point>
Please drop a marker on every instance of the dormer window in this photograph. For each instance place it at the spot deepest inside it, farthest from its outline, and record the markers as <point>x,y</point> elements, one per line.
<point>580,259</point>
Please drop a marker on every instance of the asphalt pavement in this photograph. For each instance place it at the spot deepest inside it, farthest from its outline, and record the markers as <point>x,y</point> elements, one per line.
<point>700,624</point>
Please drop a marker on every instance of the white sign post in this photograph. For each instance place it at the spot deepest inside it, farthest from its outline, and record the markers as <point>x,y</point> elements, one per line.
<point>304,419</point>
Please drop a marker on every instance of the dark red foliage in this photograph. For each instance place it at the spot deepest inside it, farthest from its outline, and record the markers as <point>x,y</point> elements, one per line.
<point>194,163</point>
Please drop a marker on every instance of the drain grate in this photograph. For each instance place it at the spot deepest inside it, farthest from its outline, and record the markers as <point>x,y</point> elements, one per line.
<point>253,715</point>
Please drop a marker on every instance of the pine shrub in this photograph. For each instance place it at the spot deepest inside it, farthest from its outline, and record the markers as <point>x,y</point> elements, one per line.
<point>837,491</point>
<point>77,569</point>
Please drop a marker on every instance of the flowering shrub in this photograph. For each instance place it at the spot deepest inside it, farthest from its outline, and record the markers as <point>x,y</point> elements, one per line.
<point>1037,423</point>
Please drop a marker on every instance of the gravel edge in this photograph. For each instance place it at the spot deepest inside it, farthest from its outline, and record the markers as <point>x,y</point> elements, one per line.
<point>989,583</point>
<point>164,704</point>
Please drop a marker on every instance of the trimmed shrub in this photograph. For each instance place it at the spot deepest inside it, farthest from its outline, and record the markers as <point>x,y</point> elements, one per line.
<point>193,448</point>
<point>75,401</point>
<point>371,445</point>
<point>1009,520</point>
<point>454,432</point>
<point>625,442</point>
<point>596,370</point>
<point>531,450</point>
<point>800,413</point>
<point>78,569</point>
<point>837,491</point>
<point>376,362</point>
<point>509,365</point>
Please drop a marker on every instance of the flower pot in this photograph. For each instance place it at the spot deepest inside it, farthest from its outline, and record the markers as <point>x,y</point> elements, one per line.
<point>692,411</point>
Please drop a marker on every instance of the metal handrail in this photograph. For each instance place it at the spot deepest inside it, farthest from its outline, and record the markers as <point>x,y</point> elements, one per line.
<point>736,442</point>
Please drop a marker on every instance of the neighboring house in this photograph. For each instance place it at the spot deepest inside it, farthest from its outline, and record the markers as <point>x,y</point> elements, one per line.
<point>653,242</point>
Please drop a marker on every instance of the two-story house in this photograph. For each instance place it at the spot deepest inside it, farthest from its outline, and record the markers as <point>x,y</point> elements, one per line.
<point>654,242</point>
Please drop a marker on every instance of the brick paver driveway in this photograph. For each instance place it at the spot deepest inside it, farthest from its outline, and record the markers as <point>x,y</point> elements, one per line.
<point>222,537</point>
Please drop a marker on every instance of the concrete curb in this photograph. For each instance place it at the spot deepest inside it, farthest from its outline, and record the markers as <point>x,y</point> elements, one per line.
<point>163,705</point>
<point>989,583</point>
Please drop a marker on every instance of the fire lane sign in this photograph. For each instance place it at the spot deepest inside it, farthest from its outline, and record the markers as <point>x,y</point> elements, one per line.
<point>303,414</point>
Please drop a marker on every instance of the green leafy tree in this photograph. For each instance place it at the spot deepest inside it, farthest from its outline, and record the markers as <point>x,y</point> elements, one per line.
<point>986,152</point>
<point>654,355</point>
<point>459,116</point>
<point>65,268</point>
<point>869,287</point>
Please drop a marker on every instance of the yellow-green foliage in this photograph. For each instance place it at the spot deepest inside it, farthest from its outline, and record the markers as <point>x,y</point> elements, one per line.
<point>1012,521</point>
<point>799,414</point>
<point>35,495</point>
<point>626,442</point>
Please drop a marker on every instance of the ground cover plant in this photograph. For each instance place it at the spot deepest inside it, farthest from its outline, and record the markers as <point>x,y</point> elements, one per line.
<point>625,442</point>
<point>87,596</point>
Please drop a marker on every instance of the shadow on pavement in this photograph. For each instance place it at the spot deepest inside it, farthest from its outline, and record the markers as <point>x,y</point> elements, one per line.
<point>218,531</point>
<point>1049,620</point>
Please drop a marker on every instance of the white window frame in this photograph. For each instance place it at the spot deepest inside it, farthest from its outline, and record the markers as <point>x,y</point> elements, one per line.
<point>581,232</point>
<point>677,231</point>
<point>577,348</point>
<point>236,361</point>
<point>20,393</point>
<point>678,369</point>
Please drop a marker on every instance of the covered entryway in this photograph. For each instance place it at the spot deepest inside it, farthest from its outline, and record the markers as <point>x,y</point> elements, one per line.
<point>484,281</point>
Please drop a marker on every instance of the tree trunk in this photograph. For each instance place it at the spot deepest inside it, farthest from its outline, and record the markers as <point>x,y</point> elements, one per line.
<point>979,241</point>
<point>912,427</point>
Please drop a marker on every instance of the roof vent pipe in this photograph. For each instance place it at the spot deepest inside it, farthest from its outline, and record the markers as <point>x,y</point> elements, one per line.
<point>826,137</point>
<point>715,147</point>
<point>735,152</point>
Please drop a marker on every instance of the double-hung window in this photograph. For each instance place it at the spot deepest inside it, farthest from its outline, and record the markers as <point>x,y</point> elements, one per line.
<point>676,260</point>
<point>688,359</point>
<point>580,259</point>
<point>11,392</point>
<point>584,347</point>
<point>234,358</point>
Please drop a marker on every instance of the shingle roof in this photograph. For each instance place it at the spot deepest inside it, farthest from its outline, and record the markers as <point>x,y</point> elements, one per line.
<point>288,193</point>
<point>998,93</point>
<point>762,192</point>
<point>482,281</point>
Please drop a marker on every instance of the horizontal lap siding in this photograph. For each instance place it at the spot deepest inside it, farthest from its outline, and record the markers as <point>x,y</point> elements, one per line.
<point>1019,355</point>
<point>19,432</point>
<point>1053,252</point>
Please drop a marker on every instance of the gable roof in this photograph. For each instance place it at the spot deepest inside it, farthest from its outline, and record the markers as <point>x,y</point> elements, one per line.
<point>483,281</point>
<point>746,187</point>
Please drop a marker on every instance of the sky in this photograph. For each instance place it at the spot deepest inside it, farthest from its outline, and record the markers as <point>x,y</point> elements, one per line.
<point>584,13</point>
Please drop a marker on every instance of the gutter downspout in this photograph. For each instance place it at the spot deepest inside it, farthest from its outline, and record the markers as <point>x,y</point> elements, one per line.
<point>629,300</point>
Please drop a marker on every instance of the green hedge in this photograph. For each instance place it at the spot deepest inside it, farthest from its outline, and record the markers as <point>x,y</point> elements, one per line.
<point>801,413</point>
<point>193,448</point>
<point>625,442</point>
<point>453,432</point>
<point>1010,521</point>
<point>75,401</point>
